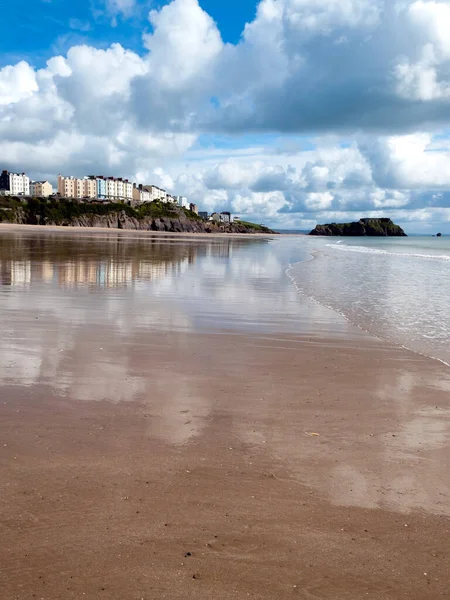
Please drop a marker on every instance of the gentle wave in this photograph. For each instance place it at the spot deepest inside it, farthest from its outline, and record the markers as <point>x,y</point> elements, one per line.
<point>363,250</point>
<point>388,324</point>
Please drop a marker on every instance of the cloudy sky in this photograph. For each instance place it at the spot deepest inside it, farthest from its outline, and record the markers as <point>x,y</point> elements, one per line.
<point>287,112</point>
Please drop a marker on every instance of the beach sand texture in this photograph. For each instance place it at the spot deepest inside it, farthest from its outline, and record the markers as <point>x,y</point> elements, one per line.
<point>177,422</point>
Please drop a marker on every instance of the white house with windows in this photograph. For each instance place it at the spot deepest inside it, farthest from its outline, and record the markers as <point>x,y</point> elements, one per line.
<point>17,184</point>
<point>182,201</point>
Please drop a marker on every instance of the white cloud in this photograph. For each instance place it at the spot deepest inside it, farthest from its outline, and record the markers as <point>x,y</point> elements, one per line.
<point>316,201</point>
<point>183,46</point>
<point>389,198</point>
<point>408,162</point>
<point>423,75</point>
<point>324,16</point>
<point>17,82</point>
<point>430,21</point>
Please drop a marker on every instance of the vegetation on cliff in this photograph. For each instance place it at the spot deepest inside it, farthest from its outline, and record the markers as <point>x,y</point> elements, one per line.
<point>152,216</point>
<point>254,227</point>
<point>58,212</point>
<point>363,227</point>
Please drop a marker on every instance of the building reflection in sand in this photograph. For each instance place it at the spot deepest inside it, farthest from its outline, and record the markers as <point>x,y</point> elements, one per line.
<point>100,262</point>
<point>106,317</point>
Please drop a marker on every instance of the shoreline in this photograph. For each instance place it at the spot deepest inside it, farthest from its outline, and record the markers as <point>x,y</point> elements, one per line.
<point>71,229</point>
<point>351,322</point>
<point>373,328</point>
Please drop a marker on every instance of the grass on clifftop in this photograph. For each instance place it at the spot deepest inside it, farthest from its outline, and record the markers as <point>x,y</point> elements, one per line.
<point>40,210</point>
<point>253,226</point>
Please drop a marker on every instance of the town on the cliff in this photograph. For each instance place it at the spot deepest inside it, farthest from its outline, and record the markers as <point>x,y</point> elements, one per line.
<point>97,188</point>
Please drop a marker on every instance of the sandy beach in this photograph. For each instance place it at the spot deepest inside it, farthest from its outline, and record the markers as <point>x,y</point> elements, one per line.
<point>13,227</point>
<point>214,435</point>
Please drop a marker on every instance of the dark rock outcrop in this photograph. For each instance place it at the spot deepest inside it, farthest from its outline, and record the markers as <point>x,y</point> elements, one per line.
<point>363,227</point>
<point>439,235</point>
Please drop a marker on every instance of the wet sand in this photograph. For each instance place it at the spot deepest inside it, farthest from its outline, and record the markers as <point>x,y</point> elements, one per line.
<point>173,457</point>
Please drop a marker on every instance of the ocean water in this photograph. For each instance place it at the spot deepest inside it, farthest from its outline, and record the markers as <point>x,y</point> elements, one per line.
<point>395,288</point>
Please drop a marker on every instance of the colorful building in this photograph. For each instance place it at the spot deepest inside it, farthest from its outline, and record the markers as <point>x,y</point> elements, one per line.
<point>41,189</point>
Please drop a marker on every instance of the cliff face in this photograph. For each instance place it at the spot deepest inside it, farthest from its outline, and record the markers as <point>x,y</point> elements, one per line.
<point>150,217</point>
<point>178,224</point>
<point>363,227</point>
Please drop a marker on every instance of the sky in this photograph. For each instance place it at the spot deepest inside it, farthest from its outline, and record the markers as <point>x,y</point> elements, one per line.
<point>285,112</point>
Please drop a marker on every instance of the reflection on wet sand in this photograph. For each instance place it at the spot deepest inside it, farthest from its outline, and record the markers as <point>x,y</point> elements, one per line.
<point>114,318</point>
<point>167,396</point>
<point>76,307</point>
<point>108,261</point>
<point>358,426</point>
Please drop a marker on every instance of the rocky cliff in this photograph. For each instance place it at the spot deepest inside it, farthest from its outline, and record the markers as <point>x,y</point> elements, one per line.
<point>149,217</point>
<point>176,224</point>
<point>363,227</point>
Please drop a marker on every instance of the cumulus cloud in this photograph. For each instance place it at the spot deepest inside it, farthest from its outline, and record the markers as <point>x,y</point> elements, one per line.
<point>184,45</point>
<point>423,75</point>
<point>17,82</point>
<point>374,71</point>
<point>408,161</point>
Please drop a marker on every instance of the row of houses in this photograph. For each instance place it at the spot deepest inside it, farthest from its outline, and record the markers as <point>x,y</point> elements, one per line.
<point>92,187</point>
<point>19,184</point>
<point>95,187</point>
<point>114,189</point>
<point>98,187</point>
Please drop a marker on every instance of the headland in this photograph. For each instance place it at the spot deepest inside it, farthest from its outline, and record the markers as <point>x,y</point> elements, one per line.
<point>154,216</point>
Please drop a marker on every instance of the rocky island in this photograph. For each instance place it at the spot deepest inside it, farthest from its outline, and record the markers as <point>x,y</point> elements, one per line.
<point>151,216</point>
<point>363,227</point>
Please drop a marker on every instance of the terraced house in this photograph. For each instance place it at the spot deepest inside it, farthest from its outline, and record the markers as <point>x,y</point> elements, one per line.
<point>41,189</point>
<point>96,187</point>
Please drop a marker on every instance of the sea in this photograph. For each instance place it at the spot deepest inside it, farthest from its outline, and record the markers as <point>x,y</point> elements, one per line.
<point>397,289</point>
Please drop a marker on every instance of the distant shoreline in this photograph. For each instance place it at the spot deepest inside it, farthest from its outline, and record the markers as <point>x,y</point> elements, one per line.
<point>149,233</point>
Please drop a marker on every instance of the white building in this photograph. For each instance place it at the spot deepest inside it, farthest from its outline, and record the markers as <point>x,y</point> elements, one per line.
<point>19,183</point>
<point>127,189</point>
<point>182,201</point>
<point>154,192</point>
<point>118,189</point>
<point>111,188</point>
<point>15,183</point>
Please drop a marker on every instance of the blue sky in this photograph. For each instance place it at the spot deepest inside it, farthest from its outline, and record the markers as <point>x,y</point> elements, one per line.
<point>53,26</point>
<point>319,110</point>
